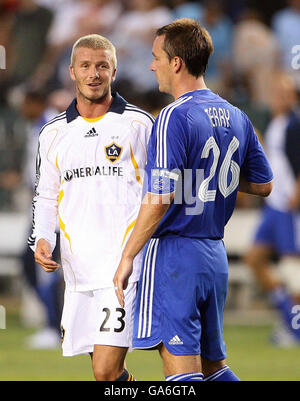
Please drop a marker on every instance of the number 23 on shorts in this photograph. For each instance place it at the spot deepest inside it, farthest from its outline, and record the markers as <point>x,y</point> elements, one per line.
<point>106,324</point>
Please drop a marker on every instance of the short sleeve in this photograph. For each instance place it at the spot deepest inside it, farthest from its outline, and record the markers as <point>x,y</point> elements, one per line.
<point>166,152</point>
<point>256,167</point>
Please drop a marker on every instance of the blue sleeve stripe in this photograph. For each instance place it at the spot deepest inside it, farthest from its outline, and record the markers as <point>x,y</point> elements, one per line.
<point>161,150</point>
<point>162,129</point>
<point>147,290</point>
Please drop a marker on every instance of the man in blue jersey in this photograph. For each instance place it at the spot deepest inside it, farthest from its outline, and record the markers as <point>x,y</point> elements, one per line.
<point>202,151</point>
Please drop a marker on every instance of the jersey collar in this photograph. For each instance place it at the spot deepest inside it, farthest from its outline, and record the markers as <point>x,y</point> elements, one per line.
<point>117,106</point>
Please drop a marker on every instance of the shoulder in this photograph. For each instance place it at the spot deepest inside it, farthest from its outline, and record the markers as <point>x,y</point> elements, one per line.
<point>241,118</point>
<point>175,112</point>
<point>172,123</point>
<point>281,16</point>
<point>55,123</point>
<point>244,116</point>
<point>132,111</point>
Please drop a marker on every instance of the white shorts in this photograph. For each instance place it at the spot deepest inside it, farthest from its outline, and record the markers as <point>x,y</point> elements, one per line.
<point>96,318</point>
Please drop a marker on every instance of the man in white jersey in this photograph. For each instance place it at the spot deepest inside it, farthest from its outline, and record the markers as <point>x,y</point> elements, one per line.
<point>89,176</point>
<point>279,229</point>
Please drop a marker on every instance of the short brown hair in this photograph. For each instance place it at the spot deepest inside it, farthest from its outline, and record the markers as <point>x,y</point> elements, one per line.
<point>185,38</point>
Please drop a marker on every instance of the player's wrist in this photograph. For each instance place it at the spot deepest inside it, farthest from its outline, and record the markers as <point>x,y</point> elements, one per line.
<point>128,256</point>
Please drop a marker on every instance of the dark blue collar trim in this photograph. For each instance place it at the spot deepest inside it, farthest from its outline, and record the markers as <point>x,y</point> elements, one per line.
<point>72,112</point>
<point>117,106</point>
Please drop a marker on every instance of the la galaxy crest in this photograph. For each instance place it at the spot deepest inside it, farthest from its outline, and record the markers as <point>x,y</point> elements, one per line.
<point>113,152</point>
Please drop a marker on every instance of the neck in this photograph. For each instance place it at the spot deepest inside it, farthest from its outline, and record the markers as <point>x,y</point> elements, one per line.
<point>185,84</point>
<point>28,5</point>
<point>285,112</point>
<point>93,108</point>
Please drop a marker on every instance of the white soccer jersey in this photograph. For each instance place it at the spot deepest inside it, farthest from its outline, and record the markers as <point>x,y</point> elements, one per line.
<point>90,176</point>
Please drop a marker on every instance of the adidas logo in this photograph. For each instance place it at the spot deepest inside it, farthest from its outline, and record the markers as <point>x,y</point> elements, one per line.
<point>175,341</point>
<point>91,133</point>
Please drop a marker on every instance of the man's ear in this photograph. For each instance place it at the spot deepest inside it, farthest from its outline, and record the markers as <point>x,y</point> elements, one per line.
<point>71,69</point>
<point>177,64</point>
<point>114,75</point>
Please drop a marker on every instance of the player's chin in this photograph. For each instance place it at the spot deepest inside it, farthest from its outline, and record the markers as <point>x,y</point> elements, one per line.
<point>98,94</point>
<point>163,89</point>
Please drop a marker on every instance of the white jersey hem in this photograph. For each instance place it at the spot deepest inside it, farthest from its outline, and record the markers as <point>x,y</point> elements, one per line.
<point>86,288</point>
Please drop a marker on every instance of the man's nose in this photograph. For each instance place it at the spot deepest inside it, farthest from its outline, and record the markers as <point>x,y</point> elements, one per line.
<point>95,73</point>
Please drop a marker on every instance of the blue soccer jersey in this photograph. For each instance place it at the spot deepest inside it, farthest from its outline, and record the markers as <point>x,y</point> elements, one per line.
<point>199,146</point>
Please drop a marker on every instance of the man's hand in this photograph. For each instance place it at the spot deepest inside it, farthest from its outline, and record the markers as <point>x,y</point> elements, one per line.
<point>152,210</point>
<point>294,204</point>
<point>43,256</point>
<point>121,278</point>
<point>294,201</point>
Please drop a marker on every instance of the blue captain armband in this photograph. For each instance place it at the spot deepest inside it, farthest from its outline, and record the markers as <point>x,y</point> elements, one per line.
<point>163,181</point>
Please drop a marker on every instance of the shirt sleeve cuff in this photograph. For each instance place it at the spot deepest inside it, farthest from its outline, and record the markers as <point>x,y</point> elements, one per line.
<point>50,238</point>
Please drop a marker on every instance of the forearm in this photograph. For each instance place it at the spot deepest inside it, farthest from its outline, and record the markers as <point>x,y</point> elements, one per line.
<point>45,214</point>
<point>44,221</point>
<point>245,186</point>
<point>255,189</point>
<point>295,199</point>
<point>153,209</point>
<point>45,201</point>
<point>297,190</point>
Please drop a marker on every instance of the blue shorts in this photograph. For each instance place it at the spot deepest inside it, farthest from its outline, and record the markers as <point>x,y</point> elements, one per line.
<point>181,297</point>
<point>280,230</point>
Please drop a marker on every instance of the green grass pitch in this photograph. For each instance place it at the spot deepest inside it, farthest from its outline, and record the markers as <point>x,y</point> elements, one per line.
<point>250,356</point>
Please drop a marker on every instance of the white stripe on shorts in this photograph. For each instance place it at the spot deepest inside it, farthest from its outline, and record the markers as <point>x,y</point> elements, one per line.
<point>145,314</point>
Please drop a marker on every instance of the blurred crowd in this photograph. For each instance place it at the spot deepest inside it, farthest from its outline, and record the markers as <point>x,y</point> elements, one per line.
<point>252,41</point>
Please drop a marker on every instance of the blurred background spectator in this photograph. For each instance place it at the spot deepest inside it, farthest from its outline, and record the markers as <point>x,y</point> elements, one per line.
<point>286,26</point>
<point>255,55</point>
<point>186,9</point>
<point>277,235</point>
<point>133,37</point>
<point>36,111</point>
<point>83,17</point>
<point>220,27</point>
<point>12,144</point>
<point>253,40</point>
<point>27,32</point>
